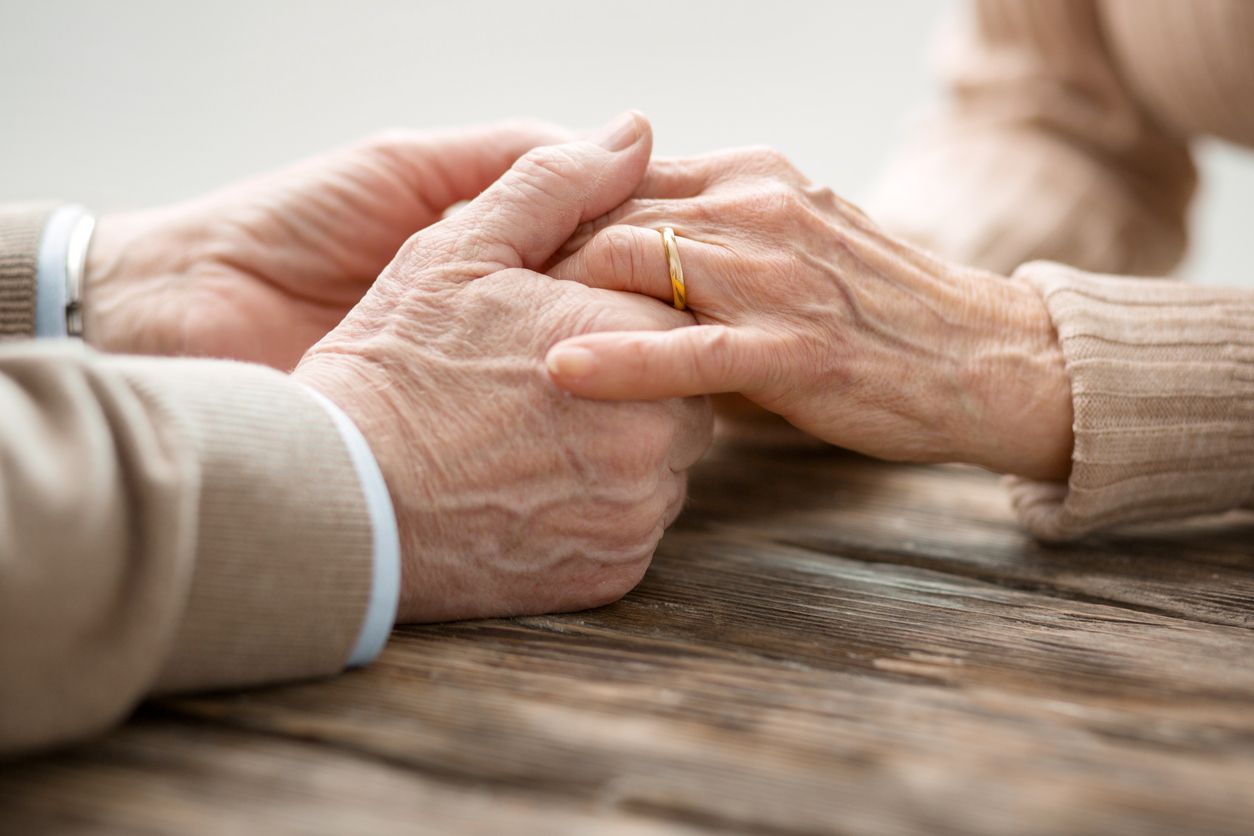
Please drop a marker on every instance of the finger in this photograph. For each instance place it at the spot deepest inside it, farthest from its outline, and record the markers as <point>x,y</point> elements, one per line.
<point>673,177</point>
<point>451,165</point>
<point>670,178</point>
<point>678,493</point>
<point>694,419</point>
<point>632,259</point>
<point>650,365</point>
<point>522,218</point>
<point>668,190</point>
<point>647,213</point>
<point>640,313</point>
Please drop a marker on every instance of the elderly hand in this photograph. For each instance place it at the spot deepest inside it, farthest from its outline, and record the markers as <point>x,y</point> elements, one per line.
<point>511,496</point>
<point>812,312</point>
<point>261,270</point>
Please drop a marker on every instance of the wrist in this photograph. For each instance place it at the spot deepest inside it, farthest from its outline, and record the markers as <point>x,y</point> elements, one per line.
<point>103,271</point>
<point>132,259</point>
<point>343,380</point>
<point>351,383</point>
<point>1018,384</point>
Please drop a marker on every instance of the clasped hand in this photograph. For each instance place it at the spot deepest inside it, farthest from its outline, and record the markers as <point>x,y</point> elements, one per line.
<point>811,311</point>
<point>512,496</point>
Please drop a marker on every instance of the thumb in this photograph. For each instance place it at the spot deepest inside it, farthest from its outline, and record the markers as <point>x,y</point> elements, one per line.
<point>523,218</point>
<point>651,365</point>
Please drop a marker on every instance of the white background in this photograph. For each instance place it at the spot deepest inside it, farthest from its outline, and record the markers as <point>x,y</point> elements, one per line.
<point>135,102</point>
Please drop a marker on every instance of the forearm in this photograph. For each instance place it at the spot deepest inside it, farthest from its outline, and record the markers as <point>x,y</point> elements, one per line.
<point>166,525</point>
<point>1018,416</point>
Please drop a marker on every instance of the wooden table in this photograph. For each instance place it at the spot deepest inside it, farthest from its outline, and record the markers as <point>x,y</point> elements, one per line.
<point>824,644</point>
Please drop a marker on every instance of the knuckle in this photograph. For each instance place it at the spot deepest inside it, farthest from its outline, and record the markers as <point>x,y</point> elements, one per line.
<point>642,358</point>
<point>786,352</point>
<point>765,159</point>
<point>821,196</point>
<point>639,211</point>
<point>544,163</point>
<point>424,248</point>
<point>771,199</point>
<point>714,339</point>
<point>701,213</point>
<point>583,235</point>
<point>721,160</point>
<point>718,361</point>
<point>771,156</point>
<point>737,163</point>
<point>769,159</point>
<point>710,356</point>
<point>620,252</point>
<point>783,193</point>
<point>755,153</point>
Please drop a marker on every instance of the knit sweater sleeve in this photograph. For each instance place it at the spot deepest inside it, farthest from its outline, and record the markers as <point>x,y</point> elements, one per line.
<point>1162,379</point>
<point>1038,151</point>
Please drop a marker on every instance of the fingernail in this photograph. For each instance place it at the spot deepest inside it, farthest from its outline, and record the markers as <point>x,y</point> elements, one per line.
<point>621,132</point>
<point>571,362</point>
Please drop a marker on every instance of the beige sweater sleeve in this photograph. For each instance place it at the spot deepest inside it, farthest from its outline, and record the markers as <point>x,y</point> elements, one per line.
<point>1162,380</point>
<point>1039,151</point>
<point>20,231</point>
<point>164,525</point>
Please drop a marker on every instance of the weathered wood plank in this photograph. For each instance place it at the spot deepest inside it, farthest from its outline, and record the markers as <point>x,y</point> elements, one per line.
<point>164,776</point>
<point>824,645</point>
<point>957,520</point>
<point>889,707</point>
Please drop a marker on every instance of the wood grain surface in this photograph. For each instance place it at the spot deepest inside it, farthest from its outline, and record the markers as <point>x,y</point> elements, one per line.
<point>824,645</point>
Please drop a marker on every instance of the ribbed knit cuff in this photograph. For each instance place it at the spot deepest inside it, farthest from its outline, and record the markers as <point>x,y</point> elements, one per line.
<point>1162,381</point>
<point>284,564</point>
<point>20,230</point>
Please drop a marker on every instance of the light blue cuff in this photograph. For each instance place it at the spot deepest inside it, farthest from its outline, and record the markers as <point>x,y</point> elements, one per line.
<point>386,587</point>
<point>50,273</point>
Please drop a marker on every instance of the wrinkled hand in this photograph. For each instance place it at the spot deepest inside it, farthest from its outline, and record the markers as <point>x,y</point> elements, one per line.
<point>511,496</point>
<point>261,270</point>
<point>812,312</point>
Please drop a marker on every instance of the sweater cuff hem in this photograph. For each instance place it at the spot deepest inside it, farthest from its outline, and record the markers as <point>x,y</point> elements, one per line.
<point>21,232</point>
<point>386,549</point>
<point>1162,378</point>
<point>51,280</point>
<point>283,574</point>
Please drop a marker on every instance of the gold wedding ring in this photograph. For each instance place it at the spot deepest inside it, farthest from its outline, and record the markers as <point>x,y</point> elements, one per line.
<point>670,246</point>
